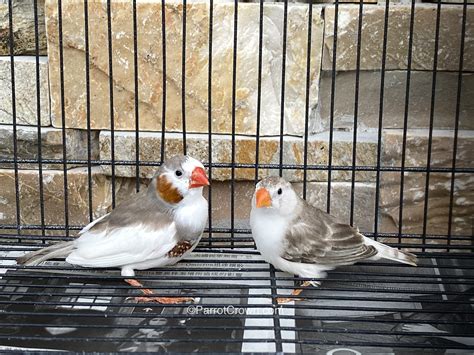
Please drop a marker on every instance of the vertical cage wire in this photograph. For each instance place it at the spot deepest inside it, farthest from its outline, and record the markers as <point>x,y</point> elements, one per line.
<point>209,120</point>
<point>183,78</point>
<point>307,95</point>
<point>14,118</point>
<point>431,124</point>
<point>356,111</point>
<point>111,98</point>
<point>88,109</point>
<point>136,101</point>
<point>38,115</point>
<point>456,123</point>
<point>63,117</point>
<point>259,89</point>
<point>234,84</point>
<point>163,111</point>
<point>333,101</point>
<point>405,120</point>
<point>380,121</point>
<point>283,84</point>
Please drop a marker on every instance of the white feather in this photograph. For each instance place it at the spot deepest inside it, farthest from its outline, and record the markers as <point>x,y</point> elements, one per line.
<point>122,246</point>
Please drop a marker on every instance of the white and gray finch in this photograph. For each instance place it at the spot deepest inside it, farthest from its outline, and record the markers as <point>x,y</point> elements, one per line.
<point>154,228</point>
<point>303,240</point>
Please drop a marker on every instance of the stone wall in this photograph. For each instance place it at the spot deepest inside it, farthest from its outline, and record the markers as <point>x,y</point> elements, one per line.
<point>29,141</point>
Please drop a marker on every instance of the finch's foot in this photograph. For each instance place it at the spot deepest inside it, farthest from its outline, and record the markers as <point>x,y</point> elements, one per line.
<point>164,300</point>
<point>283,300</point>
<point>296,292</point>
<point>151,298</point>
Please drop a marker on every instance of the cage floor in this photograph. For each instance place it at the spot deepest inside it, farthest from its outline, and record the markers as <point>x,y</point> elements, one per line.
<point>366,308</point>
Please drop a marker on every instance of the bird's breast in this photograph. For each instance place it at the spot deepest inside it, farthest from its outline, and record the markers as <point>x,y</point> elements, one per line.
<point>191,218</point>
<point>268,233</point>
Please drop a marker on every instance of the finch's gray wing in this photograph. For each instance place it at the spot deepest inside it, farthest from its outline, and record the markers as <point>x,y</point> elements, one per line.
<point>139,209</point>
<point>134,232</point>
<point>316,237</point>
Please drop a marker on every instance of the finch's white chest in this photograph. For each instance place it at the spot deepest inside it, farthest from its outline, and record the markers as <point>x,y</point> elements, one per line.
<point>191,218</point>
<point>268,233</point>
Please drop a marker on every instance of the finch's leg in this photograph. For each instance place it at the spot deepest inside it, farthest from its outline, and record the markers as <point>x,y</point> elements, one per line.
<point>296,292</point>
<point>150,298</point>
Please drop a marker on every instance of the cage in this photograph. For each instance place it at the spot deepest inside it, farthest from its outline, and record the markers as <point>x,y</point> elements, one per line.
<point>365,107</point>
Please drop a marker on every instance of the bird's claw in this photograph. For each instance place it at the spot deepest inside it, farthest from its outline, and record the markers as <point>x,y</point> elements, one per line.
<point>312,283</point>
<point>296,292</point>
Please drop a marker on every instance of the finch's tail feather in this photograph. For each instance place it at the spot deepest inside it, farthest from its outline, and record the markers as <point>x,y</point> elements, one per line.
<point>386,252</point>
<point>59,250</point>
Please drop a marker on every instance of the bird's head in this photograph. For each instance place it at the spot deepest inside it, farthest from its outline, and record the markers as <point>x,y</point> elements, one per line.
<point>179,177</point>
<point>276,195</point>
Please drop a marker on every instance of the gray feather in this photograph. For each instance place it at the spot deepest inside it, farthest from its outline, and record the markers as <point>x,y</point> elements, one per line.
<point>316,237</point>
<point>58,250</point>
<point>142,208</point>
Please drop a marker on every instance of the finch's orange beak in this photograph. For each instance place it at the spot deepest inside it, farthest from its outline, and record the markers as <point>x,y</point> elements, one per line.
<point>263,198</point>
<point>198,178</point>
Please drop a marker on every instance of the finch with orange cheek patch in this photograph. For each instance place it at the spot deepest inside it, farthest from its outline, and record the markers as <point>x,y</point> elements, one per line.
<point>155,228</point>
<point>303,240</point>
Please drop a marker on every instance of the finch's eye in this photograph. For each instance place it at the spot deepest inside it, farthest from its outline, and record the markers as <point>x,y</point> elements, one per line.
<point>178,173</point>
<point>279,192</point>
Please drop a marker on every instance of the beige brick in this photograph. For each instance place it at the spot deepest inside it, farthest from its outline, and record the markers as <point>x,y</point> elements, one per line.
<point>438,203</point>
<point>25,91</point>
<point>53,185</point>
<point>245,153</point>
<point>51,145</point>
<point>23,28</point>
<point>416,151</point>
<point>150,59</point>
<point>419,104</point>
<point>398,35</point>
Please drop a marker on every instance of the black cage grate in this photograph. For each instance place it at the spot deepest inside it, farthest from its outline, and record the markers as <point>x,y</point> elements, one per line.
<point>366,308</point>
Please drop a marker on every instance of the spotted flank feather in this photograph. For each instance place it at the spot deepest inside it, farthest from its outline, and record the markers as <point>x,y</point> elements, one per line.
<point>180,249</point>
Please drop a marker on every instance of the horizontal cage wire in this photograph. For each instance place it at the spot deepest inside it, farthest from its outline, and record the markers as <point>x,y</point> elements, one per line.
<point>363,106</point>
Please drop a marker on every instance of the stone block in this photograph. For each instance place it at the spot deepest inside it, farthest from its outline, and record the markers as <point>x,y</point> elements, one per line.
<point>221,203</point>
<point>245,153</point>
<point>51,145</point>
<point>23,28</point>
<point>316,195</point>
<point>53,185</point>
<point>438,203</point>
<point>419,105</point>
<point>364,201</point>
<point>416,151</point>
<point>150,71</point>
<point>398,34</point>
<point>25,91</point>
